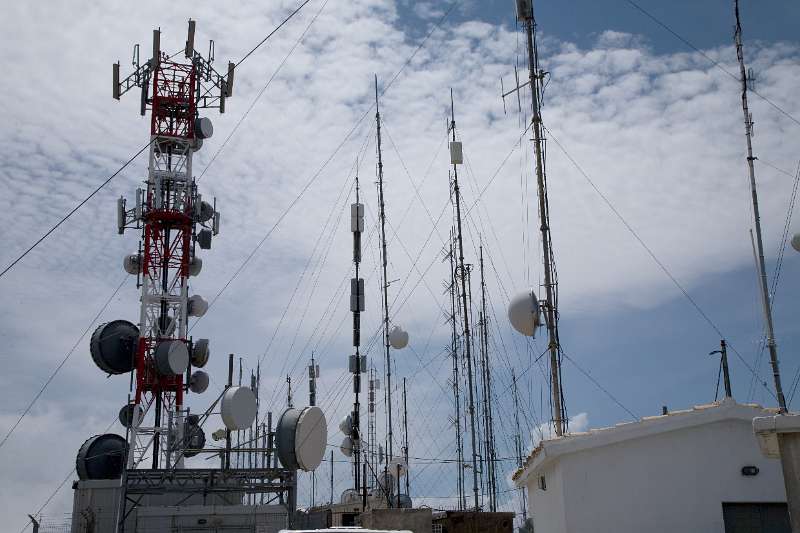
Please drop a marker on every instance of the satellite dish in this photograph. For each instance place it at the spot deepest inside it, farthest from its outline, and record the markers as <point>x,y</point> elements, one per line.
<point>523,313</point>
<point>200,353</point>
<point>171,357</point>
<point>130,414</point>
<point>194,438</point>
<point>113,346</point>
<point>238,408</point>
<point>350,496</point>
<point>346,425</point>
<point>203,128</point>
<point>132,264</point>
<point>398,465</point>
<point>195,266</point>
<point>346,447</point>
<point>198,382</point>
<point>796,242</point>
<point>197,144</point>
<point>398,338</point>
<point>301,438</point>
<point>101,457</point>
<point>197,306</point>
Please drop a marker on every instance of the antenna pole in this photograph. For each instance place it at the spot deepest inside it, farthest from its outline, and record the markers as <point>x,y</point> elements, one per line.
<point>518,442</point>
<point>405,435</point>
<point>536,77</point>
<point>371,426</point>
<point>762,272</point>
<point>356,306</point>
<point>488,423</point>
<point>462,271</point>
<point>385,281</point>
<point>456,382</point>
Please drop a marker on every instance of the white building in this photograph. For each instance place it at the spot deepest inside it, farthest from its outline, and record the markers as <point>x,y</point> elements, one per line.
<point>698,470</point>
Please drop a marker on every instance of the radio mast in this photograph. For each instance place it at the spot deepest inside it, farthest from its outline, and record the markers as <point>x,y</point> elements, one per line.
<point>456,158</point>
<point>453,288</point>
<point>762,272</point>
<point>550,304</point>
<point>385,282</point>
<point>173,221</point>
<point>357,361</point>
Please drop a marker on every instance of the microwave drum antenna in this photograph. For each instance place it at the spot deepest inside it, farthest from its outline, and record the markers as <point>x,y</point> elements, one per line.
<point>113,346</point>
<point>302,437</point>
<point>101,457</point>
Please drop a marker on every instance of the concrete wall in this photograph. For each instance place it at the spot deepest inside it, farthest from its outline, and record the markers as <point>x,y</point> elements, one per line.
<point>669,482</point>
<point>471,522</point>
<point>416,520</point>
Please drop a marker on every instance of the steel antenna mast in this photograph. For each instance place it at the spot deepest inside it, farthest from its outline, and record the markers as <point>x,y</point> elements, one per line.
<point>488,423</point>
<point>765,296</point>
<point>518,442</point>
<point>385,281</point>
<point>536,79</point>
<point>357,361</point>
<point>456,382</point>
<point>456,158</point>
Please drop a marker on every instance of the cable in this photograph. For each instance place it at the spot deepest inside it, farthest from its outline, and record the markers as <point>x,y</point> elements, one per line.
<point>61,364</point>
<point>329,159</point>
<point>74,209</point>
<point>713,62</point>
<point>270,34</point>
<point>266,85</point>
<point>652,255</point>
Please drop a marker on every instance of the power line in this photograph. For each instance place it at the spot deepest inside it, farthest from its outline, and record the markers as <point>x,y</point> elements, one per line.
<point>709,58</point>
<point>652,255</point>
<point>61,364</point>
<point>273,32</point>
<point>74,209</point>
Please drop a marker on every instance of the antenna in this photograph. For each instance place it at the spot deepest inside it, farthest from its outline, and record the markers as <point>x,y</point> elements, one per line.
<point>456,158</point>
<point>313,374</point>
<point>536,77</point>
<point>723,351</point>
<point>518,442</point>
<point>762,272</point>
<point>385,280</point>
<point>453,289</point>
<point>358,362</point>
<point>289,402</point>
<point>488,423</point>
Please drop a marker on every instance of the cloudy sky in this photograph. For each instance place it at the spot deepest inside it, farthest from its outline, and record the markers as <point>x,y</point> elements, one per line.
<point>631,110</point>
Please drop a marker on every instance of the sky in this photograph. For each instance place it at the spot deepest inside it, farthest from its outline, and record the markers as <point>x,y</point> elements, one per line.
<point>631,112</point>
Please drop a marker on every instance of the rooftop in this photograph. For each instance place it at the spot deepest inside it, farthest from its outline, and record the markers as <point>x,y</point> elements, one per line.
<point>549,449</point>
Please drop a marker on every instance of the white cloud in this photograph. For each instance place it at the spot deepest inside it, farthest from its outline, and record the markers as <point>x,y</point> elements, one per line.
<point>659,134</point>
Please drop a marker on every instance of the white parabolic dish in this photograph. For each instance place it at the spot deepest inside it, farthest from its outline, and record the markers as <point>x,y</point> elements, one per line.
<point>238,408</point>
<point>311,438</point>
<point>523,313</point>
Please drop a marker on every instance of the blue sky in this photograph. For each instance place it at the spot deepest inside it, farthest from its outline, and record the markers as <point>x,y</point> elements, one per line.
<point>705,23</point>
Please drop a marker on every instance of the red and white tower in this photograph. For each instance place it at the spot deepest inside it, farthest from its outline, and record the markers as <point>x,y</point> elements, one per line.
<point>174,223</point>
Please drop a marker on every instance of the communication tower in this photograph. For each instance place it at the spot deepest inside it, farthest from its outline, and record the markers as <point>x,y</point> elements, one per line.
<point>174,222</point>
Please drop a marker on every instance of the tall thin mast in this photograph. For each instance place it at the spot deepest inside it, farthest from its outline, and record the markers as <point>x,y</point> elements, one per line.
<point>405,434</point>
<point>518,441</point>
<point>357,301</point>
<point>467,337</point>
<point>536,77</point>
<point>488,423</point>
<point>765,296</point>
<point>456,382</point>
<point>385,282</point>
